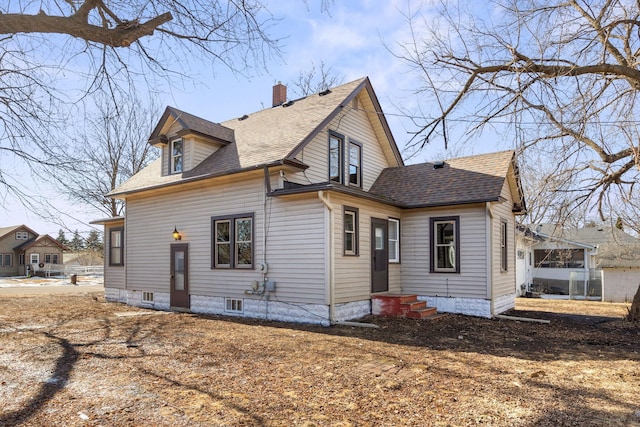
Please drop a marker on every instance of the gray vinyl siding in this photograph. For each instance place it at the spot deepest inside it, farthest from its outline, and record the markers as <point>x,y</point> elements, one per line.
<point>114,275</point>
<point>353,125</point>
<point>296,248</point>
<point>416,278</point>
<point>504,282</point>
<point>295,242</point>
<point>200,150</point>
<point>353,273</point>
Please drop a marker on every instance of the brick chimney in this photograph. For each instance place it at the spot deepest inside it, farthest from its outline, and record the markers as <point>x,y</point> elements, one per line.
<point>279,94</point>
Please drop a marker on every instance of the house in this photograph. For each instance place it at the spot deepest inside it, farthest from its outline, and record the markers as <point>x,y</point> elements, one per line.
<point>24,252</point>
<point>593,262</point>
<point>306,212</point>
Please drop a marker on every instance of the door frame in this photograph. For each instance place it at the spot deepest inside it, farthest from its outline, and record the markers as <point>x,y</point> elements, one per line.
<point>179,300</point>
<point>379,280</point>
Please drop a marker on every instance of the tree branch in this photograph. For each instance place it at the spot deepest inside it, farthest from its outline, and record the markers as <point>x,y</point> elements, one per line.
<point>122,35</point>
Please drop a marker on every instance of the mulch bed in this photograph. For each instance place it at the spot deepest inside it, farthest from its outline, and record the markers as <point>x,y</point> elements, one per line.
<point>81,361</point>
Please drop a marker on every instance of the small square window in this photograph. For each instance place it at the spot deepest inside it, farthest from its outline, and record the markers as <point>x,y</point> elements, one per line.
<point>234,306</point>
<point>147,296</point>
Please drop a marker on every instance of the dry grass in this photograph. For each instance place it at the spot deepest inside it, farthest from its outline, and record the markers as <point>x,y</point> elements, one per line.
<point>79,361</point>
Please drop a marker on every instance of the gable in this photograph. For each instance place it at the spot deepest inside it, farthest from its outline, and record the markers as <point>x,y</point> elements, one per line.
<point>270,137</point>
<point>353,126</point>
<point>44,241</point>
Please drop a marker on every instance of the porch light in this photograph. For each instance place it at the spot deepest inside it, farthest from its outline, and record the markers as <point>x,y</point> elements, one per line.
<point>176,234</point>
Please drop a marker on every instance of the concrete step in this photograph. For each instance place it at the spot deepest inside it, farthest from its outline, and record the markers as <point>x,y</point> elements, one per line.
<point>421,313</point>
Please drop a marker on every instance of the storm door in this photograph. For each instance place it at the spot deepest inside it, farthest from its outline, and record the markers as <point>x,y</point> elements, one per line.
<point>179,282</point>
<point>379,256</point>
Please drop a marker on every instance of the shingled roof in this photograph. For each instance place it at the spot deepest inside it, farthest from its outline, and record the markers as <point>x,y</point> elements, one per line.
<point>465,180</point>
<point>267,137</point>
<point>192,124</point>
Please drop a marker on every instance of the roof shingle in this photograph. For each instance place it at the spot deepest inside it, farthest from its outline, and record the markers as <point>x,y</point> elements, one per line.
<point>464,180</point>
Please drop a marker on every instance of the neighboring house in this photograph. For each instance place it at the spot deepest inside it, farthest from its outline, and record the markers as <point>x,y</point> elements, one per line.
<point>25,252</point>
<point>525,241</point>
<point>306,212</point>
<point>600,263</point>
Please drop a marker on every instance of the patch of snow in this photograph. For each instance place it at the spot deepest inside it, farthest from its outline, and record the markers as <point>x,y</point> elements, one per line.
<point>24,281</point>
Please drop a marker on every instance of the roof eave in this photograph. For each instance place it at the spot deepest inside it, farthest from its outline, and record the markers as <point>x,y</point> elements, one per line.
<point>283,162</point>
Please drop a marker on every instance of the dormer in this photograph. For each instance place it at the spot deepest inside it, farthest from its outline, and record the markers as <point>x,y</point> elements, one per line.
<point>186,140</point>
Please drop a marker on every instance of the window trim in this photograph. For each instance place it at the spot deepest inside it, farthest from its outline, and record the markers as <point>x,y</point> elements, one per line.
<point>22,233</point>
<point>504,254</point>
<point>432,244</point>
<point>51,256</point>
<point>172,158</point>
<point>233,243</point>
<point>119,248</point>
<point>356,231</point>
<point>341,145</point>
<point>359,166</point>
<point>4,256</point>
<point>37,257</point>
<point>397,257</point>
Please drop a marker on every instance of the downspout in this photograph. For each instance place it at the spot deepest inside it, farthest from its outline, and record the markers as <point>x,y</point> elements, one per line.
<point>326,202</point>
<point>489,251</point>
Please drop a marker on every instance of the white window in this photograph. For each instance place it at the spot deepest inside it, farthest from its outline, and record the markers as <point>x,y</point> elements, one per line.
<point>22,235</point>
<point>177,147</point>
<point>233,305</point>
<point>394,240</point>
<point>350,231</point>
<point>445,245</point>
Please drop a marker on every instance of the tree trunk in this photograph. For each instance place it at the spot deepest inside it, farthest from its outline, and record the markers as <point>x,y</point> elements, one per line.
<point>634,311</point>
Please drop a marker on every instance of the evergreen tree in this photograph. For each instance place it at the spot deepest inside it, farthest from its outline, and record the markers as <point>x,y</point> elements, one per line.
<point>76,244</point>
<point>62,239</point>
<point>94,241</point>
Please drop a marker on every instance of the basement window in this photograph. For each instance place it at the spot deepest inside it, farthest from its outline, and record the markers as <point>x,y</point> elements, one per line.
<point>147,296</point>
<point>233,305</point>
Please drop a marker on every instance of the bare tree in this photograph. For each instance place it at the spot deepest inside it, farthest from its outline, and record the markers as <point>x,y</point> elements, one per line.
<point>563,77</point>
<point>315,79</point>
<point>112,147</point>
<point>56,53</point>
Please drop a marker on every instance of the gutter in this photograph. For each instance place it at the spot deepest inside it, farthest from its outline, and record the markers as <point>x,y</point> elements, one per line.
<point>332,283</point>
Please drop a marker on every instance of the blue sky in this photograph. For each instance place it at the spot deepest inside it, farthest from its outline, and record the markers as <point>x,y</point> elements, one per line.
<point>350,39</point>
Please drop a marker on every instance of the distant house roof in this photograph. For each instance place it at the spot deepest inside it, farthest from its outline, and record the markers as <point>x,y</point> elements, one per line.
<point>465,180</point>
<point>8,230</point>
<point>615,248</point>
<point>270,137</point>
<point>593,236</point>
<point>38,240</point>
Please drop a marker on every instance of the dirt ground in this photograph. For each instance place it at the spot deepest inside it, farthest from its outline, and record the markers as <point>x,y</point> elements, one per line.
<point>76,360</point>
